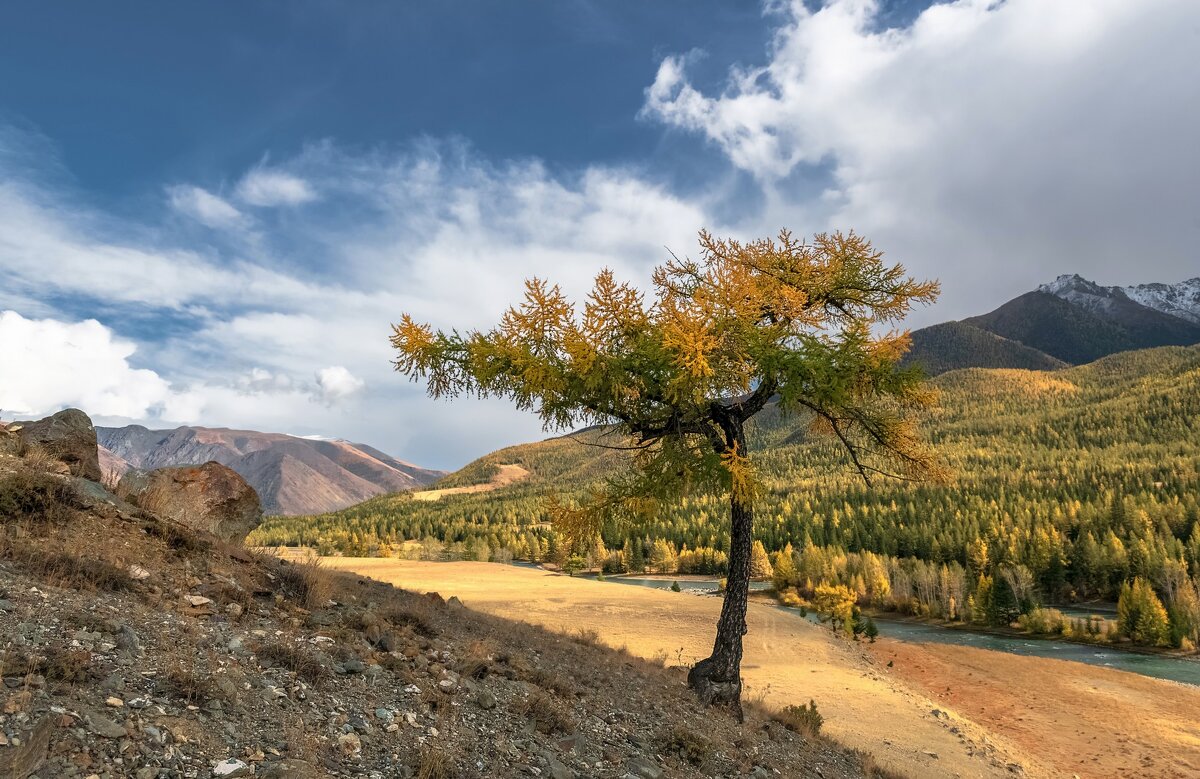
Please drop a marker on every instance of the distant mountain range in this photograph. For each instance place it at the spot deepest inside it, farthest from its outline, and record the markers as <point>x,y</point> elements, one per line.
<point>1069,321</point>
<point>291,475</point>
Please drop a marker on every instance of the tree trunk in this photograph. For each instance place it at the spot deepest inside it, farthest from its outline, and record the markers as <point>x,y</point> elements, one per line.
<point>718,678</point>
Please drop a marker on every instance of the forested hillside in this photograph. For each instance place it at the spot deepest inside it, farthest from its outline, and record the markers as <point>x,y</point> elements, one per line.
<point>1068,482</point>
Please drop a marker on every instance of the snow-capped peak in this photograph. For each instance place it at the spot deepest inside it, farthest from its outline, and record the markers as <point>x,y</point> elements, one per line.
<point>1181,300</point>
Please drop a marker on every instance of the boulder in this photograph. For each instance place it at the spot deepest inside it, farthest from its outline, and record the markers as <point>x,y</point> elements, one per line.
<point>67,437</point>
<point>210,498</point>
<point>10,441</point>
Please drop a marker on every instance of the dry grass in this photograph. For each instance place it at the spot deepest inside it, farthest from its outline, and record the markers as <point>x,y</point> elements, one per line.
<point>306,582</point>
<point>66,569</point>
<point>434,762</point>
<point>302,662</point>
<point>415,616</point>
<point>178,537</point>
<point>689,745</point>
<point>805,720</point>
<point>36,496</point>
<point>185,682</point>
<point>548,714</point>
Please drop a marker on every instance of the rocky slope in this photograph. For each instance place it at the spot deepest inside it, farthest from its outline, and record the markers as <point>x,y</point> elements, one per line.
<point>134,647</point>
<point>291,475</point>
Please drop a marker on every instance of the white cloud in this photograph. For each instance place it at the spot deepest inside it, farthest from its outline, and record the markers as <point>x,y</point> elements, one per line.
<point>50,365</point>
<point>204,206</point>
<point>335,383</point>
<point>267,187</point>
<point>992,144</point>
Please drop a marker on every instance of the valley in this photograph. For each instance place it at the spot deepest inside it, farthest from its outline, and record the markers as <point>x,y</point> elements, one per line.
<point>1051,717</point>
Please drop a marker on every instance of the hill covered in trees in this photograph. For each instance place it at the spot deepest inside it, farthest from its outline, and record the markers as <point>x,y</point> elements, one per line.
<point>1069,482</point>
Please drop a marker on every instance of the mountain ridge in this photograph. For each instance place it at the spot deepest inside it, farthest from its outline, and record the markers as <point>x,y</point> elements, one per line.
<point>292,475</point>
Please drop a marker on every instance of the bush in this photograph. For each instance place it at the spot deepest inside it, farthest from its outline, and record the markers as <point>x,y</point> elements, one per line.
<point>307,583</point>
<point>305,664</point>
<point>805,720</point>
<point>1044,622</point>
<point>34,495</point>
<point>687,744</point>
<point>548,715</point>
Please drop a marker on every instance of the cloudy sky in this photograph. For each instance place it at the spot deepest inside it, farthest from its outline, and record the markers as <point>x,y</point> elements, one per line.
<point>210,213</point>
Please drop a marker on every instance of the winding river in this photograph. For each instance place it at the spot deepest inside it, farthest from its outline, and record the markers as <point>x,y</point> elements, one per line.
<point>1172,668</point>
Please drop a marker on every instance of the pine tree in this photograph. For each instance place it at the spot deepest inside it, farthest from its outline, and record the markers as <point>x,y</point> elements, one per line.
<point>760,563</point>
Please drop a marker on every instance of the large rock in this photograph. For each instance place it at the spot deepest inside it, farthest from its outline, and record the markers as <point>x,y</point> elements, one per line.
<point>210,498</point>
<point>68,437</point>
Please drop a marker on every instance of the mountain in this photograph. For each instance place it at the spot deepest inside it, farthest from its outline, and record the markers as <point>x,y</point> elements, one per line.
<point>953,345</point>
<point>1071,320</point>
<point>1181,300</point>
<point>292,475</point>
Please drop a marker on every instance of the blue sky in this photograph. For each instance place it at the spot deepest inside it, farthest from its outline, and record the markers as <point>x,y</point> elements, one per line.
<point>213,211</point>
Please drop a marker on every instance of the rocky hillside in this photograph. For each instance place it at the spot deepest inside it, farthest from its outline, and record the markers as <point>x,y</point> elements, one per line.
<point>135,646</point>
<point>291,475</point>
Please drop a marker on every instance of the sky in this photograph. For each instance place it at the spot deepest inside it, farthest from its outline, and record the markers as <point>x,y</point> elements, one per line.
<point>211,213</point>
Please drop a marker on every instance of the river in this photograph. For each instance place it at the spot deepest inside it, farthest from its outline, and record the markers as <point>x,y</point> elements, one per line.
<point>1173,668</point>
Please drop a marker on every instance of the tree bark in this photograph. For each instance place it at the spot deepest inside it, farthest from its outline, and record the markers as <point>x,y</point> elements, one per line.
<point>717,679</point>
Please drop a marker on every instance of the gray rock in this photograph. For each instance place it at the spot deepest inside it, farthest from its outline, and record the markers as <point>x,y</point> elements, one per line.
<point>644,768</point>
<point>558,770</point>
<point>68,437</point>
<point>102,726</point>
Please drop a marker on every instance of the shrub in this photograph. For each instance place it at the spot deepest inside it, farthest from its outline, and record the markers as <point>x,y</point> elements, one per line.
<point>307,582</point>
<point>548,714</point>
<point>302,662</point>
<point>1046,622</point>
<point>184,682</point>
<point>805,720</point>
<point>688,744</point>
<point>35,495</point>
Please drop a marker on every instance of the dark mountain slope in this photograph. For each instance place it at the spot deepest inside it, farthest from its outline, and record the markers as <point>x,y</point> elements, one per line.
<point>953,345</point>
<point>1077,333</point>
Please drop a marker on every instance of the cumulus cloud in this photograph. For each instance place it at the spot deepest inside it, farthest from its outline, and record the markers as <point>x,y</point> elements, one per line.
<point>276,329</point>
<point>203,206</point>
<point>993,144</point>
<point>335,383</point>
<point>50,365</point>
<point>267,187</point>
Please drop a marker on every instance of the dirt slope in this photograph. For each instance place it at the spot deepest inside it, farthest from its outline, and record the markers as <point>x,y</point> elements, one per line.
<point>788,660</point>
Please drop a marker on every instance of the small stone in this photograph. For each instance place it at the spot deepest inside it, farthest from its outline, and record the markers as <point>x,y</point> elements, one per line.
<point>234,610</point>
<point>485,700</point>
<point>644,768</point>
<point>446,685</point>
<point>138,573</point>
<point>349,744</point>
<point>104,727</point>
<point>114,702</point>
<point>231,767</point>
<point>198,600</point>
<point>559,771</point>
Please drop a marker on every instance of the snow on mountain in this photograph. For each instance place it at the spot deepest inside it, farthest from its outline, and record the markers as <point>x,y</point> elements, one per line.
<point>1181,300</point>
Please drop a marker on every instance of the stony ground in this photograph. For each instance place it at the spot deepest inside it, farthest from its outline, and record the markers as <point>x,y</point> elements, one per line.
<point>131,648</point>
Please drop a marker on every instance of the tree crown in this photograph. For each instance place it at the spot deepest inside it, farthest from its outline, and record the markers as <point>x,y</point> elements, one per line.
<point>806,325</point>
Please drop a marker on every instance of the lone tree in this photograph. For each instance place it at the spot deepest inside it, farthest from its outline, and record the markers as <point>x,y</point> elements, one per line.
<point>784,321</point>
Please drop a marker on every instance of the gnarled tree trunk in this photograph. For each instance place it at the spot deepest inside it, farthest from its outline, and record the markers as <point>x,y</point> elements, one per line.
<point>718,678</point>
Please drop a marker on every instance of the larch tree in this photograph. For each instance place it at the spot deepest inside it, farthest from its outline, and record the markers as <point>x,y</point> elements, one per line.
<point>808,326</point>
